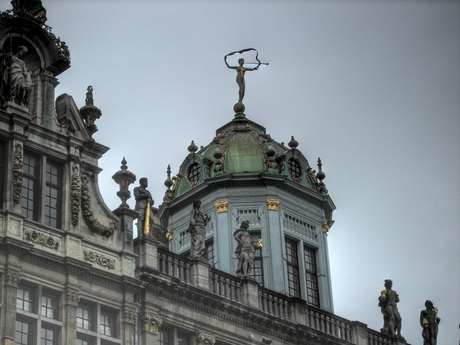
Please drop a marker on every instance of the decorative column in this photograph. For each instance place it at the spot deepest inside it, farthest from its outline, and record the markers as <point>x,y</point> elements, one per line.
<point>72,297</point>
<point>149,328</point>
<point>12,279</point>
<point>222,237</point>
<point>129,322</point>
<point>276,233</point>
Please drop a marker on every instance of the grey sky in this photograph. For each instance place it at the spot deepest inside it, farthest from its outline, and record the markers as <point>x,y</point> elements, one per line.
<point>371,87</point>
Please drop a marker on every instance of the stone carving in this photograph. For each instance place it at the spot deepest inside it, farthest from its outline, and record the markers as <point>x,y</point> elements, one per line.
<point>75,195</point>
<point>73,298</point>
<point>99,259</point>
<point>88,215</point>
<point>197,230</point>
<point>325,226</point>
<point>391,318</point>
<point>17,173</point>
<point>429,321</point>
<point>129,316</point>
<point>170,234</point>
<point>124,178</point>
<point>30,9</point>
<point>13,278</point>
<point>204,339</point>
<point>245,250</point>
<point>222,206</point>
<point>89,112</point>
<point>144,203</point>
<point>42,239</point>
<point>272,204</point>
<point>16,82</point>
<point>151,323</point>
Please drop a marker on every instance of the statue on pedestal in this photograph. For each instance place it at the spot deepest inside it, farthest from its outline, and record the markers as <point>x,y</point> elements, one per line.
<point>245,251</point>
<point>429,321</point>
<point>391,318</point>
<point>197,231</point>
<point>144,203</point>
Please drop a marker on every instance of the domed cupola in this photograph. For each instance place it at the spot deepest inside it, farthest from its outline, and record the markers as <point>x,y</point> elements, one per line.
<point>242,148</point>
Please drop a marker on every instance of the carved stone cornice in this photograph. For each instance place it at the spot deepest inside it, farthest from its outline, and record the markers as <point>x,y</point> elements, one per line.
<point>204,339</point>
<point>88,213</point>
<point>129,316</point>
<point>13,278</point>
<point>41,239</point>
<point>272,204</point>
<point>151,323</point>
<point>17,173</point>
<point>99,259</point>
<point>222,206</point>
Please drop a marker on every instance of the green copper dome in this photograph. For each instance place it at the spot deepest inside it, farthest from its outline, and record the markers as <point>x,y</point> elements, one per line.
<point>242,147</point>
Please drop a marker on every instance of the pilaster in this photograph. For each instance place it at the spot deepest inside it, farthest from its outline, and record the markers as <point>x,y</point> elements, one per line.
<point>12,279</point>
<point>250,292</point>
<point>72,298</point>
<point>128,325</point>
<point>199,275</point>
<point>150,324</point>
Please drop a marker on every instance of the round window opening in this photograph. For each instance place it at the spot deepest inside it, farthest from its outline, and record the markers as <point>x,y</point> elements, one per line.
<point>294,168</point>
<point>194,172</point>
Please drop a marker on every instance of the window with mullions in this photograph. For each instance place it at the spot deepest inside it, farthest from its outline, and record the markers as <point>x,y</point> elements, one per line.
<point>25,299</point>
<point>41,190</point>
<point>292,268</point>
<point>23,333</point>
<point>311,276</point>
<point>85,317</point>
<point>294,168</point>
<point>48,337</point>
<point>257,271</point>
<point>107,323</point>
<point>163,337</point>
<point>49,305</point>
<point>209,253</point>
<point>193,172</point>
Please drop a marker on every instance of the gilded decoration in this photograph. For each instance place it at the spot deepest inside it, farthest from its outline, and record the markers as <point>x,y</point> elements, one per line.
<point>13,278</point>
<point>75,195</point>
<point>272,204</point>
<point>88,214</point>
<point>222,206</point>
<point>325,226</point>
<point>129,316</point>
<point>204,339</point>
<point>170,234</point>
<point>73,298</point>
<point>41,239</point>
<point>151,323</point>
<point>99,259</point>
<point>17,173</point>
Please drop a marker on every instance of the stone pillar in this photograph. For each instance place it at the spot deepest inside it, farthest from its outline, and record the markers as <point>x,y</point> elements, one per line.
<point>297,311</point>
<point>359,333</point>
<point>149,328</point>
<point>199,274</point>
<point>250,292</point>
<point>223,238</point>
<point>128,325</point>
<point>148,252</point>
<point>127,217</point>
<point>72,297</point>
<point>275,233</point>
<point>12,279</point>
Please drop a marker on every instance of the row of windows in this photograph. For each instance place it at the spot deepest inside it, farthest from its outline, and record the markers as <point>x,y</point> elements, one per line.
<point>38,319</point>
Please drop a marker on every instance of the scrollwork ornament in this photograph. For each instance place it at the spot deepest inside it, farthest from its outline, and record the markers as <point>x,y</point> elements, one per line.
<point>75,195</point>
<point>13,278</point>
<point>99,259</point>
<point>41,239</point>
<point>73,298</point>
<point>204,339</point>
<point>129,316</point>
<point>151,323</point>
<point>17,173</point>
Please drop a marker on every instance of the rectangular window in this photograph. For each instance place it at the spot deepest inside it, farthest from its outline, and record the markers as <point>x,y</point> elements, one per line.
<point>23,334</point>
<point>24,299</point>
<point>311,276</point>
<point>257,271</point>
<point>47,337</point>
<point>108,322</point>
<point>49,306</point>
<point>292,268</point>
<point>182,339</point>
<point>85,340</point>
<point>209,253</point>
<point>30,185</point>
<point>52,194</point>
<point>85,317</point>
<point>163,338</point>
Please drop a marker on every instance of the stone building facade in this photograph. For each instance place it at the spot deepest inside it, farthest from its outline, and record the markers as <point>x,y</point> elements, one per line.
<point>71,271</point>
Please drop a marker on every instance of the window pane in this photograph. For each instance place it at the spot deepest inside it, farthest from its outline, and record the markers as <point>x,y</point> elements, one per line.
<point>52,194</point>
<point>107,326</point>
<point>49,306</point>
<point>84,317</point>
<point>257,265</point>
<point>22,335</point>
<point>292,268</point>
<point>24,299</point>
<point>311,277</point>
<point>163,338</point>
<point>47,337</point>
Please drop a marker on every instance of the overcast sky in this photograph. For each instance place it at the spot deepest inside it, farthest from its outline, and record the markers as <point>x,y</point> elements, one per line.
<point>371,87</point>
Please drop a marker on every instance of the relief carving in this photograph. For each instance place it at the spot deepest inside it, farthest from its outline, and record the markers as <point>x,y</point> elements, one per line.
<point>13,278</point>
<point>129,316</point>
<point>88,214</point>
<point>222,206</point>
<point>75,195</point>
<point>151,323</point>
<point>73,298</point>
<point>99,259</point>
<point>272,204</point>
<point>17,173</point>
<point>204,339</point>
<point>42,239</point>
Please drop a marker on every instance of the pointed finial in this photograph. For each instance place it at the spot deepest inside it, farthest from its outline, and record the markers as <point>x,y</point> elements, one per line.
<point>293,143</point>
<point>168,182</point>
<point>192,147</point>
<point>320,175</point>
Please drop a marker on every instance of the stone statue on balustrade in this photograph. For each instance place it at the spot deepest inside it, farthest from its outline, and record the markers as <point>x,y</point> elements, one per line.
<point>245,251</point>
<point>429,321</point>
<point>388,300</point>
<point>144,203</point>
<point>197,231</point>
<point>16,81</point>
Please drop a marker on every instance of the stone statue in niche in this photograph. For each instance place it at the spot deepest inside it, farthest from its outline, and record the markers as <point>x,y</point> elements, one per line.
<point>245,251</point>
<point>429,321</point>
<point>388,300</point>
<point>197,231</point>
<point>16,83</point>
<point>144,203</point>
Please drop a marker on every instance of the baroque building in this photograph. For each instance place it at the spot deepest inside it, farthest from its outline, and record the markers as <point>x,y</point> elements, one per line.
<point>71,271</point>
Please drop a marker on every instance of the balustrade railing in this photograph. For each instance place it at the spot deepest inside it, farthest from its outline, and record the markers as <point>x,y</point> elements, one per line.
<point>274,303</point>
<point>328,323</point>
<point>174,265</point>
<point>376,338</point>
<point>224,284</point>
